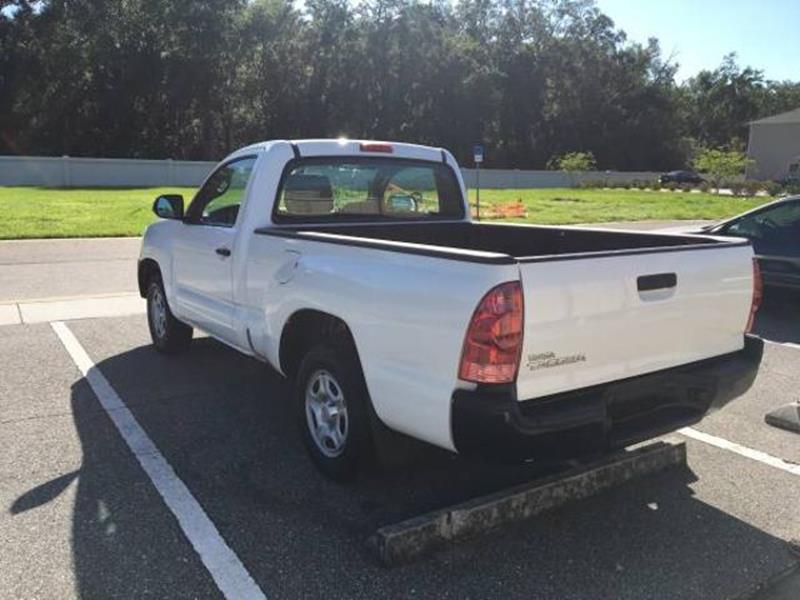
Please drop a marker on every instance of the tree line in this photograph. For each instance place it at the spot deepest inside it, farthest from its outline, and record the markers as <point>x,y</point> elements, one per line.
<point>194,79</point>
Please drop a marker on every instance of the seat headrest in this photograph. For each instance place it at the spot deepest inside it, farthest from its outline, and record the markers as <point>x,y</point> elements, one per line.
<point>308,195</point>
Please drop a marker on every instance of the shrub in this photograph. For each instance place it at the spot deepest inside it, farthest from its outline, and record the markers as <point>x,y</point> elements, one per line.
<point>596,184</point>
<point>638,184</point>
<point>721,164</point>
<point>737,188</point>
<point>773,188</point>
<point>655,185</point>
<point>704,186</point>
<point>686,187</point>
<point>671,186</point>
<point>572,161</point>
<point>751,188</point>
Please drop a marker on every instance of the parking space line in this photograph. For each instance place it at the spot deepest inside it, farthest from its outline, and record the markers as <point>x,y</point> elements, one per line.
<point>227,571</point>
<point>757,455</point>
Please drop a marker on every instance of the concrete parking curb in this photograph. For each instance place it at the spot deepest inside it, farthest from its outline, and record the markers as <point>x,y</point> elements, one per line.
<point>786,417</point>
<point>43,311</point>
<point>407,540</point>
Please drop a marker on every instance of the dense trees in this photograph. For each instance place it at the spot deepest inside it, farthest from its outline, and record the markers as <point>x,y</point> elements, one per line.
<point>196,78</point>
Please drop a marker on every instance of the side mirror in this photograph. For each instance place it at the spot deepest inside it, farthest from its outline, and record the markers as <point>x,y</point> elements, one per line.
<point>169,206</point>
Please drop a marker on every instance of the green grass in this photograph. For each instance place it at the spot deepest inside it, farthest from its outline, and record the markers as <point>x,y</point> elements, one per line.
<point>567,205</point>
<point>30,212</point>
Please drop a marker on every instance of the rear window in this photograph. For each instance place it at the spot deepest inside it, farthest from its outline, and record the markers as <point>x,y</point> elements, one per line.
<point>354,188</point>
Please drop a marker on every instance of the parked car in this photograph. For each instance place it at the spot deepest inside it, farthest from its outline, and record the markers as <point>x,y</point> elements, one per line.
<point>353,268</point>
<point>681,177</point>
<point>774,231</point>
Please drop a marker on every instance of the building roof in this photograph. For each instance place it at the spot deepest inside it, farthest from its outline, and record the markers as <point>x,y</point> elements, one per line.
<point>793,116</point>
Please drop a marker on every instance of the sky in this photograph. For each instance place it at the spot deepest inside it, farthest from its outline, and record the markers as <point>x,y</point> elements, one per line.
<point>765,34</point>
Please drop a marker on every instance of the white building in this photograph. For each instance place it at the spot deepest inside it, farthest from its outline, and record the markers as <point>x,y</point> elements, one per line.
<point>775,147</point>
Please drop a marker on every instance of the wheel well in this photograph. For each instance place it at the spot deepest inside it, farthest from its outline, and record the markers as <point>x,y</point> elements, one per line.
<point>147,268</point>
<point>304,330</point>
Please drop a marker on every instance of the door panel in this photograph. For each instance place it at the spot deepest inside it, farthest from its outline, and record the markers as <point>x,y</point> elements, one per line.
<point>204,250</point>
<point>203,278</point>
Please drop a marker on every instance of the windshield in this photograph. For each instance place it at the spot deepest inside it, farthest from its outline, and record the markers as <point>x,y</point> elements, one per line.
<point>355,188</point>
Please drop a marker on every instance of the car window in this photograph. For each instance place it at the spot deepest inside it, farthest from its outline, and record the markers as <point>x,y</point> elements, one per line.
<point>219,200</point>
<point>339,189</point>
<point>775,230</point>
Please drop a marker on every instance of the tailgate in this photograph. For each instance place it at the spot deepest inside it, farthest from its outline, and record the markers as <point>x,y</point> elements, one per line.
<point>591,320</point>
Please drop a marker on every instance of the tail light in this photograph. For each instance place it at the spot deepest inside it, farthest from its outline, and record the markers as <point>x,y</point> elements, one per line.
<point>493,343</point>
<point>758,295</point>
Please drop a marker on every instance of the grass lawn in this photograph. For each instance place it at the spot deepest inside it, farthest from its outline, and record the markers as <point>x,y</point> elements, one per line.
<point>30,212</point>
<point>568,205</point>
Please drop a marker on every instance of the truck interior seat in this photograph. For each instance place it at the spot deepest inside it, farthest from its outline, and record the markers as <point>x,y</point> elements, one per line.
<point>308,195</point>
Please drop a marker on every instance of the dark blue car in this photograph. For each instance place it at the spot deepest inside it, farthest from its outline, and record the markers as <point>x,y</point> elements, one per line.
<point>774,230</point>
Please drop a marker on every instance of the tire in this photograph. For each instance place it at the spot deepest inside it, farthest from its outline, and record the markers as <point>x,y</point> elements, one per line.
<point>331,404</point>
<point>169,335</point>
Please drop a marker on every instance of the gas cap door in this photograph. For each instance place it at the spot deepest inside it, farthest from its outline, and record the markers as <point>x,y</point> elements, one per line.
<point>289,267</point>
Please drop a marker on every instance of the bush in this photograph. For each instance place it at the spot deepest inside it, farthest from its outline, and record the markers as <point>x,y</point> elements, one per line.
<point>773,188</point>
<point>686,187</point>
<point>671,186</point>
<point>596,184</point>
<point>572,161</point>
<point>638,184</point>
<point>704,187</point>
<point>751,188</point>
<point>792,189</point>
<point>655,185</point>
<point>737,188</point>
<point>721,164</point>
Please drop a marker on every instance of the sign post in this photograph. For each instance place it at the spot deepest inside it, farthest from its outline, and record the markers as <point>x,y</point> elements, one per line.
<point>477,153</point>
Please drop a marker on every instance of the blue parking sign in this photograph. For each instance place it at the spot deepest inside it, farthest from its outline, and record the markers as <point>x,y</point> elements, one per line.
<point>477,152</point>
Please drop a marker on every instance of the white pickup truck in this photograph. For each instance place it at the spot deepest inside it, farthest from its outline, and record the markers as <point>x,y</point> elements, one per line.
<point>353,268</point>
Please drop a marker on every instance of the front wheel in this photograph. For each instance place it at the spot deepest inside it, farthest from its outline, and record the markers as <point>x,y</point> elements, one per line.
<point>331,409</point>
<point>168,334</point>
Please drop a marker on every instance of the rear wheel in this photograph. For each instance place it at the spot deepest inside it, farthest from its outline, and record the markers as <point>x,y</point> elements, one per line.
<point>168,334</point>
<point>331,409</point>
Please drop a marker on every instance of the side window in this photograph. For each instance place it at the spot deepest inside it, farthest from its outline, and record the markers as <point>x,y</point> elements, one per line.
<point>746,227</point>
<point>773,231</point>
<point>219,200</point>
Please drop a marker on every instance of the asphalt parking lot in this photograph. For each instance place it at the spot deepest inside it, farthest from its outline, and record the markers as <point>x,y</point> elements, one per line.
<point>81,517</point>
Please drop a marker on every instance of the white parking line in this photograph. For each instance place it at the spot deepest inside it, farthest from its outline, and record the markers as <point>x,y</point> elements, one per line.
<point>762,457</point>
<point>225,568</point>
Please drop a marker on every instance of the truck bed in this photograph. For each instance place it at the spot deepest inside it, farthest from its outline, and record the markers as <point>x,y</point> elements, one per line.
<point>522,243</point>
<point>600,305</point>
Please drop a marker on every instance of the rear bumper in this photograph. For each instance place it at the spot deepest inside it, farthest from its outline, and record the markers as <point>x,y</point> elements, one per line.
<point>489,421</point>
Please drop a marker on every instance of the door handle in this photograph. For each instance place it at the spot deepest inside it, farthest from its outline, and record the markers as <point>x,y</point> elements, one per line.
<point>223,251</point>
<point>658,281</point>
